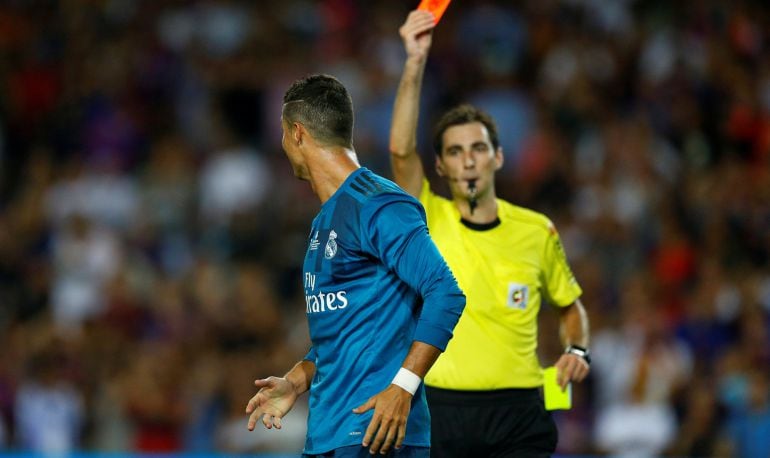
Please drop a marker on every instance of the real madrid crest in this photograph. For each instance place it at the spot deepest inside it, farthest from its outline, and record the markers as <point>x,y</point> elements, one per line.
<point>331,245</point>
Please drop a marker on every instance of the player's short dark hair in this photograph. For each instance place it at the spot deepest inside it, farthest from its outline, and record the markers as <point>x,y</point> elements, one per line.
<point>463,114</point>
<point>322,104</point>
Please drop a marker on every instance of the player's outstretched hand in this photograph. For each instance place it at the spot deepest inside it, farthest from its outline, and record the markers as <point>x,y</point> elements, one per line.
<point>275,398</point>
<point>388,426</point>
<point>416,33</point>
<point>569,368</point>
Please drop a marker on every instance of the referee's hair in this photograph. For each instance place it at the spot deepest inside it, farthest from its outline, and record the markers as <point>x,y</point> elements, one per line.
<point>322,104</point>
<point>463,114</point>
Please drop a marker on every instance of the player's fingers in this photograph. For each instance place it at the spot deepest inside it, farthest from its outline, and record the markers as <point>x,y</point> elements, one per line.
<point>379,438</point>
<point>390,437</point>
<point>267,420</point>
<point>253,419</point>
<point>400,436</point>
<point>261,383</point>
<point>368,405</point>
<point>371,429</point>
<point>277,422</point>
<point>251,405</point>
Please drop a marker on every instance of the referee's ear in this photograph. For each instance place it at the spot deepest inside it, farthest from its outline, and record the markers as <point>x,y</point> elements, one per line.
<point>499,158</point>
<point>440,167</point>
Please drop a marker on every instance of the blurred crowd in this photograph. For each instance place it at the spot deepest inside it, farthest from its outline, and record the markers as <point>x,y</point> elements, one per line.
<point>151,231</point>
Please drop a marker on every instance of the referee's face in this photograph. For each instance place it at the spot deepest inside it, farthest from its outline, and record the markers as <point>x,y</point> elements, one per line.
<point>468,156</point>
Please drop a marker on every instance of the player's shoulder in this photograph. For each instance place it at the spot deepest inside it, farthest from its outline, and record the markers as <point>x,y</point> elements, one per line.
<point>525,218</point>
<point>371,189</point>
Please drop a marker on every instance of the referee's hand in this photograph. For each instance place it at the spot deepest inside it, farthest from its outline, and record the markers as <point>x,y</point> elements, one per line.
<point>391,410</point>
<point>570,367</point>
<point>416,33</point>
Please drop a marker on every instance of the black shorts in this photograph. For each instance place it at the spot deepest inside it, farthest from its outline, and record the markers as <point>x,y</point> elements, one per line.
<point>357,451</point>
<point>500,423</point>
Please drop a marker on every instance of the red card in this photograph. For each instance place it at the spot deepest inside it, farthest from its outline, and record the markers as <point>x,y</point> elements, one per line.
<point>437,7</point>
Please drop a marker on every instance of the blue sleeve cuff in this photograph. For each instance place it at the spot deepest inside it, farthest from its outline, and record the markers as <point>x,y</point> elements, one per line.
<point>311,355</point>
<point>432,335</point>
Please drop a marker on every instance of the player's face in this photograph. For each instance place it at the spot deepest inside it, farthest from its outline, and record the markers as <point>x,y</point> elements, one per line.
<point>468,156</point>
<point>291,148</point>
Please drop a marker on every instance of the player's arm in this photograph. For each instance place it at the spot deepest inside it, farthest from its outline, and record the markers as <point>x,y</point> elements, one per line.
<point>405,162</point>
<point>277,395</point>
<point>400,239</point>
<point>574,364</point>
<point>392,405</point>
<point>301,375</point>
<point>398,236</point>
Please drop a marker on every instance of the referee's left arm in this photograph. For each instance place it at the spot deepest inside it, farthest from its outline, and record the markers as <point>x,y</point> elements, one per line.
<point>562,290</point>
<point>574,364</point>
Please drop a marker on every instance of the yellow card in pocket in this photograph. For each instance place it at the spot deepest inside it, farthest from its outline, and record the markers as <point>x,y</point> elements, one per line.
<point>555,398</point>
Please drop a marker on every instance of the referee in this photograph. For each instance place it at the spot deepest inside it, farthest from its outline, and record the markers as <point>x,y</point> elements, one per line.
<point>484,391</point>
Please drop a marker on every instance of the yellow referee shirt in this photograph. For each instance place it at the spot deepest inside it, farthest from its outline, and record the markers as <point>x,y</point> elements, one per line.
<point>505,273</point>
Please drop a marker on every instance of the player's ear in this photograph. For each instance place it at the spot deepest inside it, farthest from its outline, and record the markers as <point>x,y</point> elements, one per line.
<point>297,133</point>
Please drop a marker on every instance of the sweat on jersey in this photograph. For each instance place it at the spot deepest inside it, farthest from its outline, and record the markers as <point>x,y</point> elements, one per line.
<point>374,283</point>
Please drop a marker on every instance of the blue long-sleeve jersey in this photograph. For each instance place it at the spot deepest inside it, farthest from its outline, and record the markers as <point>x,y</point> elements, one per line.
<point>374,283</point>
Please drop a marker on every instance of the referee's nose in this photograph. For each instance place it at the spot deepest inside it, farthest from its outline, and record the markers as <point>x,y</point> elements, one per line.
<point>469,161</point>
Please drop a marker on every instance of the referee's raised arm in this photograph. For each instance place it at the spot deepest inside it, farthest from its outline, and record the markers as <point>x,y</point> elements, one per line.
<point>416,34</point>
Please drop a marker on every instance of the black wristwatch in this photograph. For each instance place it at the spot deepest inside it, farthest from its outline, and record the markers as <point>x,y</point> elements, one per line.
<point>579,351</point>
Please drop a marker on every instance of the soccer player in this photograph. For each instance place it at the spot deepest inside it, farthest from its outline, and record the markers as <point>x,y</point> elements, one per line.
<point>381,302</point>
<point>483,392</point>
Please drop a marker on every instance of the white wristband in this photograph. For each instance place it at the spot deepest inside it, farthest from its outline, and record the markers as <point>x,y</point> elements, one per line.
<point>407,380</point>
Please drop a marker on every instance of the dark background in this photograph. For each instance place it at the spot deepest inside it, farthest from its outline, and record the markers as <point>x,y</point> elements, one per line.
<point>151,231</point>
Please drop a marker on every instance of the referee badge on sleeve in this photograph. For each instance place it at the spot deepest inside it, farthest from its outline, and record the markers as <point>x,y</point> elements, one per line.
<point>517,296</point>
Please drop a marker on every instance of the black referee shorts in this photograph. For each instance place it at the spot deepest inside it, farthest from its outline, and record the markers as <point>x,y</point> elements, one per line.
<point>500,423</point>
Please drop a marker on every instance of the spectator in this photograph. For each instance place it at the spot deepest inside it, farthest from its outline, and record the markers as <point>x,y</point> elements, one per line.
<point>145,203</point>
<point>49,409</point>
<point>750,424</point>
